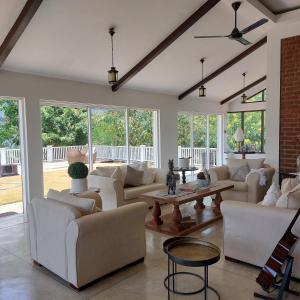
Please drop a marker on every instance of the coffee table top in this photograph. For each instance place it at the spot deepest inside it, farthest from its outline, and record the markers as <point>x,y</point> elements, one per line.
<point>189,251</point>
<point>181,199</point>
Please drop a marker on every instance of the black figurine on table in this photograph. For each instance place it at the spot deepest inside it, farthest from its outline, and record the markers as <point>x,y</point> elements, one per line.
<point>171,178</point>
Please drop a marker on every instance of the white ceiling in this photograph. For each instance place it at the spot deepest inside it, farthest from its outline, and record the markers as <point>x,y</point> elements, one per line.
<point>69,39</point>
<point>281,5</point>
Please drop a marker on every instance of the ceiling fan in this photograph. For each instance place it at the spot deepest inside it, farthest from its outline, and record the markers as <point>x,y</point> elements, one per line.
<point>236,34</point>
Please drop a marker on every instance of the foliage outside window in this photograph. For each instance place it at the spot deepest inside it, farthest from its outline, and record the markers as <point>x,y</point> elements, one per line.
<point>253,125</point>
<point>261,96</point>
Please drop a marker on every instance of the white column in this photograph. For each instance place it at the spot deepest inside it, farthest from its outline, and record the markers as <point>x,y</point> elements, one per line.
<point>220,140</point>
<point>32,154</point>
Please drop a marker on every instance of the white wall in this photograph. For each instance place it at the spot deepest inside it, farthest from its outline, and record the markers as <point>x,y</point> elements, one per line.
<point>34,88</point>
<point>281,30</point>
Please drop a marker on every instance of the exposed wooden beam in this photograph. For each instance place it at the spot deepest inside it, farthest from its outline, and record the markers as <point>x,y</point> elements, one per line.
<point>206,7</point>
<point>224,67</point>
<point>18,28</point>
<point>244,89</point>
<point>264,10</point>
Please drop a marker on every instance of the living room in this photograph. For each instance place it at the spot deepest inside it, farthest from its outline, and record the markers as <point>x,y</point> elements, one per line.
<point>166,103</point>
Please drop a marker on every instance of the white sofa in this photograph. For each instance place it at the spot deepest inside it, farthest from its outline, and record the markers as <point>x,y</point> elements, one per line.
<point>114,194</point>
<point>252,231</point>
<point>81,249</point>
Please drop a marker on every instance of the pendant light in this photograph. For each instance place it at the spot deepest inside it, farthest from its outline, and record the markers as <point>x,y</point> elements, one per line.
<point>113,72</point>
<point>244,96</point>
<point>202,89</point>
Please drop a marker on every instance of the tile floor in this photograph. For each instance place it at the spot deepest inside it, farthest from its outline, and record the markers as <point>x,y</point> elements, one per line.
<point>21,280</point>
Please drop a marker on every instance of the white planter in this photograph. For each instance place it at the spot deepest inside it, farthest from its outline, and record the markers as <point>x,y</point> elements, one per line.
<point>78,185</point>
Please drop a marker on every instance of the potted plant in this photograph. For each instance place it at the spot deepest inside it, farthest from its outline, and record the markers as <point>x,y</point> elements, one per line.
<point>78,171</point>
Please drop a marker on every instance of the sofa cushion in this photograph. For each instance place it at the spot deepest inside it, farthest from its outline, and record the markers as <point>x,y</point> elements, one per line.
<point>271,196</point>
<point>290,199</point>
<point>234,165</point>
<point>148,176</point>
<point>134,177</point>
<point>239,174</point>
<point>85,205</point>
<point>135,192</point>
<point>238,185</point>
<point>288,184</point>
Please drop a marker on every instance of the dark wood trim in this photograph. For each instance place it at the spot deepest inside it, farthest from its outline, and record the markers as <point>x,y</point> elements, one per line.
<point>244,89</point>
<point>205,8</point>
<point>18,28</point>
<point>224,67</point>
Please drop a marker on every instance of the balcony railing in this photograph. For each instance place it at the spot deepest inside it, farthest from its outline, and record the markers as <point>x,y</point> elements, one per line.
<point>137,153</point>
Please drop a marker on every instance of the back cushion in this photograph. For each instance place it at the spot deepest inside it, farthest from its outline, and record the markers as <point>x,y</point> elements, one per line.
<point>85,205</point>
<point>255,163</point>
<point>238,168</point>
<point>133,177</point>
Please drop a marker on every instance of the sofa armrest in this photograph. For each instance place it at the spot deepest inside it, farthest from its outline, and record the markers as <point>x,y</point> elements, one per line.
<point>100,243</point>
<point>219,173</point>
<point>256,192</point>
<point>111,191</point>
<point>251,231</point>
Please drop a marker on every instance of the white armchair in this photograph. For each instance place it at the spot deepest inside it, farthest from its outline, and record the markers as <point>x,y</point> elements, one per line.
<point>251,232</point>
<point>80,249</point>
<point>114,194</point>
<point>248,191</point>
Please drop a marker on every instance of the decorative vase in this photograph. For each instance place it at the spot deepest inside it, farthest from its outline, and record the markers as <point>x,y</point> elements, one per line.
<point>78,185</point>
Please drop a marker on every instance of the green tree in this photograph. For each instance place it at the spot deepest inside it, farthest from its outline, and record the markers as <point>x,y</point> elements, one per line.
<point>9,123</point>
<point>63,126</point>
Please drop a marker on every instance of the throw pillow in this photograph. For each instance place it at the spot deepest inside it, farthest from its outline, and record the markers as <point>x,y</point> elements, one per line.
<point>288,184</point>
<point>257,163</point>
<point>141,166</point>
<point>85,205</point>
<point>272,195</point>
<point>148,176</point>
<point>133,177</point>
<point>239,173</point>
<point>290,199</point>
<point>233,164</point>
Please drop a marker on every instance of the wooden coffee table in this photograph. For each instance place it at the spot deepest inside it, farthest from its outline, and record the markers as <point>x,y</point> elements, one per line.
<point>191,217</point>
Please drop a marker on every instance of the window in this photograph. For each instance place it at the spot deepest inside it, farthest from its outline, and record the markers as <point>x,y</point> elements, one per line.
<point>197,138</point>
<point>258,97</point>
<point>253,125</point>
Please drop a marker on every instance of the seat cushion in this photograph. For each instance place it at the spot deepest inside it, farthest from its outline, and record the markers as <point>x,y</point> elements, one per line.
<point>239,186</point>
<point>135,192</point>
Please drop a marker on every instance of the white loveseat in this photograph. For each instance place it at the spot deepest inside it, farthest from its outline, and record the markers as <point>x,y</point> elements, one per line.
<point>251,232</point>
<point>81,249</point>
<point>114,194</point>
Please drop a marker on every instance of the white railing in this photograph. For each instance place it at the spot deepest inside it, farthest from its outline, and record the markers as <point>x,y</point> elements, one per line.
<point>137,153</point>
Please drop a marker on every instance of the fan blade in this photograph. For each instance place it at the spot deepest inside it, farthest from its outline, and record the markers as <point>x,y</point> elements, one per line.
<point>209,36</point>
<point>243,41</point>
<point>254,25</point>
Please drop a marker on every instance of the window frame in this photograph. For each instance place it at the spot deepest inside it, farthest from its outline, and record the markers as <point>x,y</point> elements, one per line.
<point>242,125</point>
<point>263,92</point>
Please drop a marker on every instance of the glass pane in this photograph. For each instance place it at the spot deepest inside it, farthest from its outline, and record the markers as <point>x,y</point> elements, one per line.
<point>232,123</point>
<point>108,136</point>
<point>200,157</point>
<point>64,134</point>
<point>141,136</point>
<point>10,158</point>
<point>184,135</point>
<point>213,140</point>
<point>259,97</point>
<point>252,125</point>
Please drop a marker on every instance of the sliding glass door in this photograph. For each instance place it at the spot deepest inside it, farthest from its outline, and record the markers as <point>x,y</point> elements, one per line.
<point>108,136</point>
<point>11,183</point>
<point>65,140</point>
<point>197,138</point>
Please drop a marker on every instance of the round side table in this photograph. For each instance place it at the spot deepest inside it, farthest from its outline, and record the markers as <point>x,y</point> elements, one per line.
<point>189,252</point>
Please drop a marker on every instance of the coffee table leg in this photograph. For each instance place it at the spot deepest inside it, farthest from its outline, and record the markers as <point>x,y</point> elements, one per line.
<point>199,206</point>
<point>183,177</point>
<point>177,217</point>
<point>218,201</point>
<point>156,214</point>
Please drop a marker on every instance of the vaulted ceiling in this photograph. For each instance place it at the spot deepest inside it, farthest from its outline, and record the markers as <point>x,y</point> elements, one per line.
<point>69,39</point>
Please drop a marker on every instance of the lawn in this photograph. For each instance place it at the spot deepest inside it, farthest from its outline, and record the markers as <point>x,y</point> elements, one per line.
<point>58,179</point>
